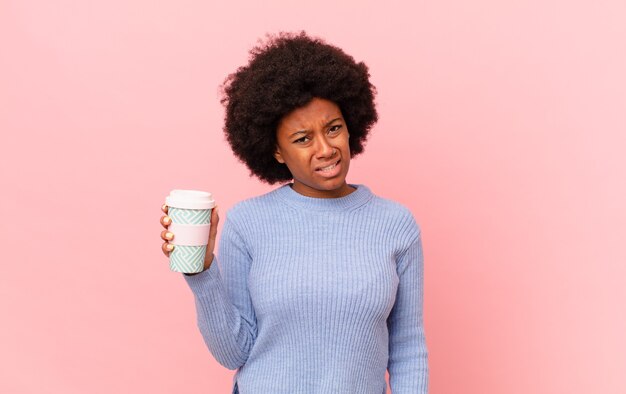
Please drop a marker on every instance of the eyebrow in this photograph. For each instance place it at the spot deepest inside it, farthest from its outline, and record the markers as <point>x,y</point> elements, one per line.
<point>304,131</point>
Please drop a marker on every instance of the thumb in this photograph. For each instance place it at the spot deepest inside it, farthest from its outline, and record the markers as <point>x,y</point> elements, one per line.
<point>215,219</point>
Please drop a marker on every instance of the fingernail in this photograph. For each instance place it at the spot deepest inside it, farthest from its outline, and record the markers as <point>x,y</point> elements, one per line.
<point>170,247</point>
<point>169,235</point>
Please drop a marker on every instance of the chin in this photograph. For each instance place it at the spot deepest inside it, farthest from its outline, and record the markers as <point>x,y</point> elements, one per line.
<point>316,182</point>
<point>331,184</point>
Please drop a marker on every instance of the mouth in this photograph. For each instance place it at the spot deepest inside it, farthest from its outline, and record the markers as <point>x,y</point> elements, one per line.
<point>329,171</point>
<point>328,167</point>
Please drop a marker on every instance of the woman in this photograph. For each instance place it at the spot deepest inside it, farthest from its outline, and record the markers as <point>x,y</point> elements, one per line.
<point>318,287</point>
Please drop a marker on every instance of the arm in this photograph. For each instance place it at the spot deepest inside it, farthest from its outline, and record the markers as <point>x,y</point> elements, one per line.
<point>408,355</point>
<point>225,315</point>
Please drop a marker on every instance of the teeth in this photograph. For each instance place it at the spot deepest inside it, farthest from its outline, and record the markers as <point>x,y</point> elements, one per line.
<point>328,168</point>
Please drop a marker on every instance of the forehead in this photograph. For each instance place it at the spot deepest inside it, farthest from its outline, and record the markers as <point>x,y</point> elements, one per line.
<point>316,111</point>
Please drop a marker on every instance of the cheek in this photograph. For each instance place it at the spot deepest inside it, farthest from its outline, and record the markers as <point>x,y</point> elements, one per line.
<point>299,159</point>
<point>346,145</point>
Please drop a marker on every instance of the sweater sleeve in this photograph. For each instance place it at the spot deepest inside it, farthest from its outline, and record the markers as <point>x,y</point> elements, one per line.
<point>225,315</point>
<point>408,355</point>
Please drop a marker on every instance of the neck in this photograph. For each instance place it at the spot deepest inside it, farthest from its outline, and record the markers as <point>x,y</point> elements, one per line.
<point>360,195</point>
<point>308,191</point>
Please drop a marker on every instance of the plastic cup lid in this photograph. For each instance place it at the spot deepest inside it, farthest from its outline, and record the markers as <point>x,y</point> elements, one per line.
<point>190,199</point>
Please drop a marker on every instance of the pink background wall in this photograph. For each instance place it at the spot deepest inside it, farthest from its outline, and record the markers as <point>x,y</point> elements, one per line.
<point>501,126</point>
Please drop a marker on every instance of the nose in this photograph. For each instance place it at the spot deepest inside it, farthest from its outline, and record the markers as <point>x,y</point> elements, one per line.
<point>325,149</point>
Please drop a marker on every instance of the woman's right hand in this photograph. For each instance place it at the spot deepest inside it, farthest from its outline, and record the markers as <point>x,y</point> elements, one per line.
<point>167,236</point>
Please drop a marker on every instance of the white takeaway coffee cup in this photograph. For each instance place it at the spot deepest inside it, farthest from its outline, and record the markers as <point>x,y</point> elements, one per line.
<point>190,211</point>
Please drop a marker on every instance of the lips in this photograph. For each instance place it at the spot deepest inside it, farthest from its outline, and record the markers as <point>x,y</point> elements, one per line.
<point>326,165</point>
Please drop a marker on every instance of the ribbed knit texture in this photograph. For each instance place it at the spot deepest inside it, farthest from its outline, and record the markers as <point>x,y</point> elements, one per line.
<point>316,295</point>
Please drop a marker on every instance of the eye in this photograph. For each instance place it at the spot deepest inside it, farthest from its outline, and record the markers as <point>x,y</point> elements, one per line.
<point>299,140</point>
<point>333,129</point>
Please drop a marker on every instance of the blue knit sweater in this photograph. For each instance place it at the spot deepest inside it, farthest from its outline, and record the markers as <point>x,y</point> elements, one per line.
<point>316,295</point>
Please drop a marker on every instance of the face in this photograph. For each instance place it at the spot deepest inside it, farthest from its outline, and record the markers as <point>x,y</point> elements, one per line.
<point>312,137</point>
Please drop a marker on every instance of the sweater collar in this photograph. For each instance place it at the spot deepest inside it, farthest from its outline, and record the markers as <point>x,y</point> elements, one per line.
<point>358,197</point>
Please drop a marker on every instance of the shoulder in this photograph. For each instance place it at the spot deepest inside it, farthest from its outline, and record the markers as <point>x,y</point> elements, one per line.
<point>399,214</point>
<point>252,208</point>
<point>393,207</point>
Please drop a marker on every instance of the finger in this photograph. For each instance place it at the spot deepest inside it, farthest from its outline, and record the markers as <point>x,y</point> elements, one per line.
<point>166,221</point>
<point>167,235</point>
<point>166,248</point>
<point>164,208</point>
<point>215,219</point>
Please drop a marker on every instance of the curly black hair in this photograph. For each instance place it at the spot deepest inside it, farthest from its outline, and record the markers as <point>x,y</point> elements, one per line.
<point>283,74</point>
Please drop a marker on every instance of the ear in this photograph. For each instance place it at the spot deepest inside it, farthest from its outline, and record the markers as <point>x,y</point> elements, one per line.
<point>278,156</point>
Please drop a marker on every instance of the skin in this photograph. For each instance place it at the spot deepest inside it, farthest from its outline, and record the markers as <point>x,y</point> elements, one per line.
<point>322,139</point>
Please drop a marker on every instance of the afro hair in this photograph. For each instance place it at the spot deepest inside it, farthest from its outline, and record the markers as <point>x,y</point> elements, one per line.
<point>283,74</point>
